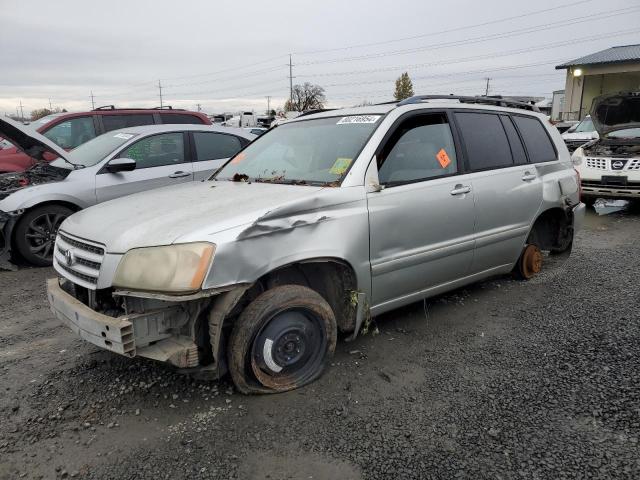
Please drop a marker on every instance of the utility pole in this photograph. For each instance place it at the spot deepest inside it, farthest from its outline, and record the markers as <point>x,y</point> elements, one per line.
<point>268,104</point>
<point>290,80</point>
<point>160,88</point>
<point>50,106</point>
<point>93,103</point>
<point>198,105</point>
<point>486,90</point>
<point>21,112</point>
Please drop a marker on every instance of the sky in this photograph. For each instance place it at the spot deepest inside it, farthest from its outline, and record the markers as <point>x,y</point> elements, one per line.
<point>229,56</point>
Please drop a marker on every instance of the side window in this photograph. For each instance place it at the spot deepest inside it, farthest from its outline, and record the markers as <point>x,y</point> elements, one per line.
<point>536,139</point>
<point>211,146</point>
<point>421,148</point>
<point>114,122</point>
<point>156,151</point>
<point>517,150</point>
<point>71,133</point>
<point>180,118</point>
<point>485,140</point>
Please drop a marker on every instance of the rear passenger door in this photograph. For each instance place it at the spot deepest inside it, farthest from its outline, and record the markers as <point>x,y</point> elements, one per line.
<point>211,150</point>
<point>161,160</point>
<point>508,192</point>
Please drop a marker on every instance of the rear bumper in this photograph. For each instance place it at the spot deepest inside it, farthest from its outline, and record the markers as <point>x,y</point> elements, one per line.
<point>143,334</point>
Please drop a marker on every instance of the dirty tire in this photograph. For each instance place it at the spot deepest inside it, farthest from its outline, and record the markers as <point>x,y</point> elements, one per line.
<point>34,235</point>
<point>529,264</point>
<point>283,340</point>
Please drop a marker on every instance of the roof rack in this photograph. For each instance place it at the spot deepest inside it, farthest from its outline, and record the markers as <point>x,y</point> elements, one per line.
<point>315,110</point>
<point>490,100</point>
<point>112,107</point>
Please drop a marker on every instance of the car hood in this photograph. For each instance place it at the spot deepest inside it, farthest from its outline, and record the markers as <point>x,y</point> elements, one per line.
<point>617,111</point>
<point>39,174</point>
<point>27,139</point>
<point>168,215</point>
<point>586,136</point>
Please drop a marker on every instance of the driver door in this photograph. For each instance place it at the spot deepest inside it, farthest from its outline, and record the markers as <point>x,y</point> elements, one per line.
<point>161,160</point>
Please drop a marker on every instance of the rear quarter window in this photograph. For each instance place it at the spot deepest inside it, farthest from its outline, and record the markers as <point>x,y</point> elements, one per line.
<point>536,139</point>
<point>181,118</point>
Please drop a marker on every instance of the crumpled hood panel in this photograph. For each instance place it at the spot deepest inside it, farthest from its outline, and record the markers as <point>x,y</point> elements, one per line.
<point>162,216</point>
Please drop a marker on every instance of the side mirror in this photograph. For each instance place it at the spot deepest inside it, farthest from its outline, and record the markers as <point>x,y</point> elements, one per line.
<point>121,165</point>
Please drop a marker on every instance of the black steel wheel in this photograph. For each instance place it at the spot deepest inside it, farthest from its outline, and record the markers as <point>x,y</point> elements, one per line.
<point>36,232</point>
<point>282,340</point>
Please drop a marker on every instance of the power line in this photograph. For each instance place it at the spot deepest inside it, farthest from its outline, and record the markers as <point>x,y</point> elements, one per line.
<point>441,32</point>
<point>483,38</point>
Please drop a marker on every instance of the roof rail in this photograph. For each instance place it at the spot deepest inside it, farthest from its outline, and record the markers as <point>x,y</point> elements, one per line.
<point>112,107</point>
<point>315,110</point>
<point>490,100</point>
<point>164,107</point>
<point>104,107</point>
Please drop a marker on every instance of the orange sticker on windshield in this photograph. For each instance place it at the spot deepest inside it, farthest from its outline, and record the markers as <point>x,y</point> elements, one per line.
<point>443,158</point>
<point>238,158</point>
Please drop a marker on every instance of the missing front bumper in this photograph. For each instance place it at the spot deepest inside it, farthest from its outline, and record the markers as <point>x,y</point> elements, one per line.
<point>133,335</point>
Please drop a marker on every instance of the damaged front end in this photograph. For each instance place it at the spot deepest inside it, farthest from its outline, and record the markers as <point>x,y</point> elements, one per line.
<point>185,332</point>
<point>39,174</point>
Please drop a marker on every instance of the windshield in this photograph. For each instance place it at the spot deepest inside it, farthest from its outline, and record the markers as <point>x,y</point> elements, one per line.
<point>585,125</point>
<point>625,133</point>
<point>94,151</point>
<point>316,151</point>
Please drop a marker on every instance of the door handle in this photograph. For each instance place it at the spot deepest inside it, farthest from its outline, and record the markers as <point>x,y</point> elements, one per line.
<point>460,189</point>
<point>179,174</point>
<point>527,177</point>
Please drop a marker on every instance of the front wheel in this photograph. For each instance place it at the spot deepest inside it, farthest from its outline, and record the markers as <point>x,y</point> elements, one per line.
<point>35,233</point>
<point>282,340</point>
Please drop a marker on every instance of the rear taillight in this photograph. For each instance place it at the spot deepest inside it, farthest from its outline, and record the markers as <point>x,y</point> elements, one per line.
<point>579,185</point>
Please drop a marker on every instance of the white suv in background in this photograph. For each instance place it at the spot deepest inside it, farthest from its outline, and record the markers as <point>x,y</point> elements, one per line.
<point>610,166</point>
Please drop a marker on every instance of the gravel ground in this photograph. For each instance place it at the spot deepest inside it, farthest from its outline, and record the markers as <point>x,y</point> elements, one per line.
<point>503,379</point>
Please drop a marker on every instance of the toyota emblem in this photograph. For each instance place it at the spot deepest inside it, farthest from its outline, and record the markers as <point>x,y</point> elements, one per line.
<point>69,258</point>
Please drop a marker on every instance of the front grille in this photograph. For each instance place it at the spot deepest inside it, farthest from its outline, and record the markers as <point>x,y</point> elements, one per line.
<point>78,260</point>
<point>634,164</point>
<point>599,163</point>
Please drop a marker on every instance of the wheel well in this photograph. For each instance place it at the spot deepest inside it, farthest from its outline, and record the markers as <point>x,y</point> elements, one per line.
<point>71,206</point>
<point>332,278</point>
<point>552,230</point>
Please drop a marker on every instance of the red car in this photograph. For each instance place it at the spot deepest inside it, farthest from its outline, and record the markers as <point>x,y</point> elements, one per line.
<point>69,130</point>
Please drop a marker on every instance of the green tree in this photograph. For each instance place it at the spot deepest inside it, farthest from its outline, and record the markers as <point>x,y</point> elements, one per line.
<point>404,87</point>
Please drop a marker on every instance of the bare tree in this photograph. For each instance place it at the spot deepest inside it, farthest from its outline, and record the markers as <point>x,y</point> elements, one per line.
<point>43,112</point>
<point>306,97</point>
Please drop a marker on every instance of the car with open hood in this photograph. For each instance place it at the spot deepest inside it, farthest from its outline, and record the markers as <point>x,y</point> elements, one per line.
<point>579,134</point>
<point>34,203</point>
<point>610,166</point>
<point>69,130</point>
<point>312,229</point>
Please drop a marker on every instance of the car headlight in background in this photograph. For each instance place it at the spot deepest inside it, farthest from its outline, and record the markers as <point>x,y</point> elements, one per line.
<point>172,268</point>
<point>577,155</point>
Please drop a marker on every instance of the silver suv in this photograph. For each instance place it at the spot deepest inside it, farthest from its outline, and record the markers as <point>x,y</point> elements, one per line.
<point>313,228</point>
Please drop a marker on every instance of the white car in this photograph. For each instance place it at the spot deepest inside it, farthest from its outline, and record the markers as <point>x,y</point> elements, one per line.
<point>35,202</point>
<point>610,166</point>
<point>582,133</point>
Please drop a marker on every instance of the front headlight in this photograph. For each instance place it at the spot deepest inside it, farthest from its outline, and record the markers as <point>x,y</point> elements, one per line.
<point>172,268</point>
<point>577,156</point>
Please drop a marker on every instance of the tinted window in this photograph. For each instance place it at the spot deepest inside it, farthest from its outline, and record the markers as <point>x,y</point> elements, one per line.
<point>180,118</point>
<point>210,146</point>
<point>157,150</point>
<point>114,122</point>
<point>420,149</point>
<point>71,133</point>
<point>485,139</point>
<point>517,150</point>
<point>536,140</point>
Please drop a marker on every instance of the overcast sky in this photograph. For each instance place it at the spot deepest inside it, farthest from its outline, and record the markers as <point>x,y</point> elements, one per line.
<point>228,56</point>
